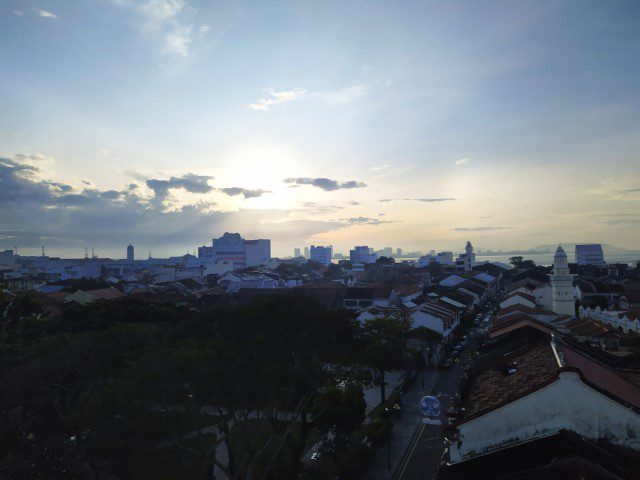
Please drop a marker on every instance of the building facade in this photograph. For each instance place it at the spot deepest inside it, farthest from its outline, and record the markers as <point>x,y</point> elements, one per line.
<point>231,247</point>
<point>562,290</point>
<point>590,255</point>
<point>321,254</point>
<point>362,255</point>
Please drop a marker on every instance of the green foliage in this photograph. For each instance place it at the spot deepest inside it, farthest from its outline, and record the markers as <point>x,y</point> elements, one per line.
<point>127,380</point>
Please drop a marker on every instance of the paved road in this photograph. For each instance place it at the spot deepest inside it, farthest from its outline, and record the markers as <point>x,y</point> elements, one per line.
<point>425,453</point>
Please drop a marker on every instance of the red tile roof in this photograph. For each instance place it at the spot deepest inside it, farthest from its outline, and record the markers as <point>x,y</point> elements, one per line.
<point>586,328</point>
<point>493,387</point>
<point>602,377</point>
<point>536,366</point>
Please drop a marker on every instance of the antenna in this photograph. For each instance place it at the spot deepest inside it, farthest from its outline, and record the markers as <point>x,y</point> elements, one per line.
<point>15,250</point>
<point>149,253</point>
<point>43,251</point>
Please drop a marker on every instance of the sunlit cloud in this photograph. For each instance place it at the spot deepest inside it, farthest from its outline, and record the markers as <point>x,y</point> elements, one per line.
<point>47,14</point>
<point>170,21</point>
<point>345,95</point>
<point>277,98</point>
<point>462,161</point>
<point>379,167</point>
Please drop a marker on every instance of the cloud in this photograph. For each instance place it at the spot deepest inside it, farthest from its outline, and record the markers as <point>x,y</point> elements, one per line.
<point>338,97</point>
<point>178,40</point>
<point>431,200</point>
<point>325,184</point>
<point>232,191</point>
<point>345,95</point>
<point>425,200</point>
<point>315,207</point>
<point>17,13</point>
<point>170,22</point>
<point>630,190</point>
<point>47,14</point>
<point>189,182</point>
<point>379,167</point>
<point>480,229</point>
<point>204,28</point>
<point>277,98</point>
<point>462,161</point>
<point>365,221</point>
<point>35,211</point>
<point>353,202</point>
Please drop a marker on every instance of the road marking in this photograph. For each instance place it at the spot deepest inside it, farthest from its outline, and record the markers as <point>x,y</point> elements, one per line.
<point>405,463</point>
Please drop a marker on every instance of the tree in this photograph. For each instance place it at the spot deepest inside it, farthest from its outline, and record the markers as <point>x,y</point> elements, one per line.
<point>520,262</point>
<point>600,301</point>
<point>338,412</point>
<point>384,348</point>
<point>385,261</point>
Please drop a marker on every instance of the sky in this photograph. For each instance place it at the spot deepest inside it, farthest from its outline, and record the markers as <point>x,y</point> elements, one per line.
<point>421,125</point>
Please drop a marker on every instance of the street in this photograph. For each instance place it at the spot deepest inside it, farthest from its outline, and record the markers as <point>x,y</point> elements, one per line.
<point>424,455</point>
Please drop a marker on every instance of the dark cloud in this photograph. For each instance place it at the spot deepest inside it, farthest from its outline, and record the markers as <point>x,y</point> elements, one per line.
<point>325,184</point>
<point>232,191</point>
<point>430,200</point>
<point>480,229</point>
<point>353,202</point>
<point>189,182</point>
<point>386,200</point>
<point>630,190</point>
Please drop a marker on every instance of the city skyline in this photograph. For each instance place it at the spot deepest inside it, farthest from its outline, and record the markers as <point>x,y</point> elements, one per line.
<point>512,125</point>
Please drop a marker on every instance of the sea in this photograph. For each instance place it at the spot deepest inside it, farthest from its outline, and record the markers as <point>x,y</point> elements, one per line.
<point>630,257</point>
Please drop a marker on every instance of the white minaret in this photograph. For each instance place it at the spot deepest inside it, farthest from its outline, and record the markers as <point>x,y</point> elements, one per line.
<point>562,285</point>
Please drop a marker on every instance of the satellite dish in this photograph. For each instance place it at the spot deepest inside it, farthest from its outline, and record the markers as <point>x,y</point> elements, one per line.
<point>430,406</point>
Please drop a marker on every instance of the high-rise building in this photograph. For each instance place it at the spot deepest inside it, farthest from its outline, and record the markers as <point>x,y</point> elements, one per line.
<point>130,253</point>
<point>399,252</point>
<point>590,255</point>
<point>321,254</point>
<point>362,254</point>
<point>562,285</point>
<point>296,253</point>
<point>241,253</point>
<point>306,253</point>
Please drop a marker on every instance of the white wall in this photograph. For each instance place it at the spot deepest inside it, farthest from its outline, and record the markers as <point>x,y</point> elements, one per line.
<point>516,300</point>
<point>568,403</point>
